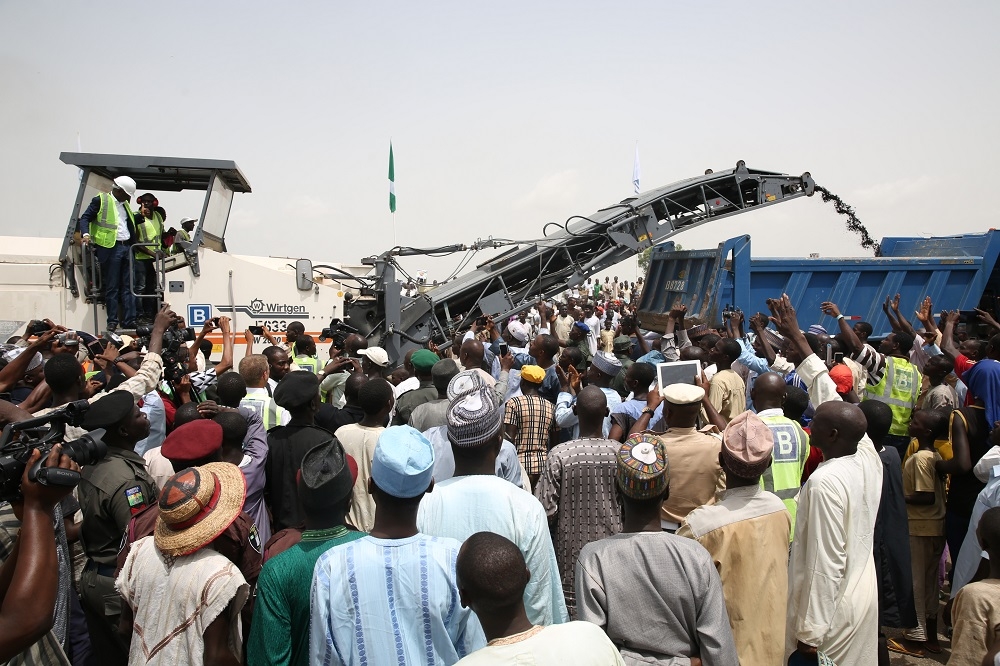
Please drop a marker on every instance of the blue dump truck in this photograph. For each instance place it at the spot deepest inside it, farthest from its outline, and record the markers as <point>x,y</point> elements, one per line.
<point>957,272</point>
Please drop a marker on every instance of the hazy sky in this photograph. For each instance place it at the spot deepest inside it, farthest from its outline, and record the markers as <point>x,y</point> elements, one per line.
<point>508,115</point>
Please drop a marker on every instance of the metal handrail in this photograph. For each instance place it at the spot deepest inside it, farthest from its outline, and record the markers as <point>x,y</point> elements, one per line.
<point>158,260</point>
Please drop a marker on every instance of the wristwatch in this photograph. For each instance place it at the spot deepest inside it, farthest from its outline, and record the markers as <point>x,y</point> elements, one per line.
<point>648,410</point>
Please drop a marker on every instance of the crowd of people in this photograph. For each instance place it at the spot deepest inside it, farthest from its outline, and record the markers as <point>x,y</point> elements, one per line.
<point>528,494</point>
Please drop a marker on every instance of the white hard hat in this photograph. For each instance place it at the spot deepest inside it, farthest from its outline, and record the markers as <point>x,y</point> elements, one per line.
<point>127,184</point>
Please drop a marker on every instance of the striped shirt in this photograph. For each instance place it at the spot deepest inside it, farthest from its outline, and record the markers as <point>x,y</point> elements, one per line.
<point>535,419</point>
<point>390,601</point>
<point>580,498</point>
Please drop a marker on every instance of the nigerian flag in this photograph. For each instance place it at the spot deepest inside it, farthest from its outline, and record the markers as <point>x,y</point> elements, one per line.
<point>392,182</point>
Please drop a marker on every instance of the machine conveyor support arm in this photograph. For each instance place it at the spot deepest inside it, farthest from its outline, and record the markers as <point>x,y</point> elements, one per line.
<point>582,247</point>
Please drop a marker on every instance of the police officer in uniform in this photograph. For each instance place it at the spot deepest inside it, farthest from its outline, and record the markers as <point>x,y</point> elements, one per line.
<point>695,474</point>
<point>110,493</point>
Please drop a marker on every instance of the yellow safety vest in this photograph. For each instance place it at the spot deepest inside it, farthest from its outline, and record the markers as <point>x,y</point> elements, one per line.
<point>788,461</point>
<point>149,231</point>
<point>310,363</point>
<point>265,406</point>
<point>898,388</point>
<point>104,227</point>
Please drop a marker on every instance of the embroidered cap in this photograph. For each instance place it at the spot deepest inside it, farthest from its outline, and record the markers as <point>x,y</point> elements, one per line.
<point>518,331</point>
<point>607,363</point>
<point>474,418</point>
<point>747,445</point>
<point>464,382</point>
<point>643,470</point>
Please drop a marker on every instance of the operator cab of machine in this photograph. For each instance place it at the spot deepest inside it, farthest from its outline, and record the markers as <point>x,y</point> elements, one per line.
<point>219,179</point>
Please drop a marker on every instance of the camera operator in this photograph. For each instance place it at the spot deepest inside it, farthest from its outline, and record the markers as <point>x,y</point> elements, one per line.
<point>344,360</point>
<point>23,369</point>
<point>185,386</point>
<point>67,380</point>
<point>29,580</point>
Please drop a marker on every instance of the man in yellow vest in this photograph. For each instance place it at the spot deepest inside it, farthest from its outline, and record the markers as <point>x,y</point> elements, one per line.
<point>791,443</point>
<point>149,232</point>
<point>109,224</point>
<point>892,379</point>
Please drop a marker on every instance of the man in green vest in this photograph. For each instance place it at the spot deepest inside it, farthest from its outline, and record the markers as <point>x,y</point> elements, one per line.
<point>109,225</point>
<point>892,379</point>
<point>149,235</point>
<point>791,443</point>
<point>305,354</point>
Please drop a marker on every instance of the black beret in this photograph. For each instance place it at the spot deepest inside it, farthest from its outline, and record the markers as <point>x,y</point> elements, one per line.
<point>296,389</point>
<point>110,410</point>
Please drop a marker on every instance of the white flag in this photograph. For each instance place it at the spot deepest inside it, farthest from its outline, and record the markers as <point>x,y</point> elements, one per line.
<point>635,169</point>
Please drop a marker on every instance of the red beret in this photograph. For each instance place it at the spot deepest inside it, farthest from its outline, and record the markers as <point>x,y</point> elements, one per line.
<point>193,441</point>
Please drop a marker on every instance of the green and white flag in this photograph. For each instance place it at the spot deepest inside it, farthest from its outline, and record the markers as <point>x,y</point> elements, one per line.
<point>392,182</point>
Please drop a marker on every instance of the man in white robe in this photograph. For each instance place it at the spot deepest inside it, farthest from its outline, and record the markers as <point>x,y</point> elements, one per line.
<point>832,593</point>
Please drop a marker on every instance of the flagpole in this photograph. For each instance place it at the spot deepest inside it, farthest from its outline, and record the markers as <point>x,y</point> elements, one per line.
<point>394,229</point>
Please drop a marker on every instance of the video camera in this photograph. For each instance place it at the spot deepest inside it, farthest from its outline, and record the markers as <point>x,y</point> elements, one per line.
<point>173,351</point>
<point>337,331</point>
<point>18,440</point>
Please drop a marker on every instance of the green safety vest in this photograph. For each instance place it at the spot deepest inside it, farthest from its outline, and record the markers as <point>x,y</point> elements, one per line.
<point>899,388</point>
<point>104,228</point>
<point>788,461</point>
<point>310,363</point>
<point>270,413</point>
<point>149,231</point>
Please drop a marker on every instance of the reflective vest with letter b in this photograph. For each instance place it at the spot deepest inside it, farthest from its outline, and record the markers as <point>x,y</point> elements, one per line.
<point>788,461</point>
<point>265,406</point>
<point>899,388</point>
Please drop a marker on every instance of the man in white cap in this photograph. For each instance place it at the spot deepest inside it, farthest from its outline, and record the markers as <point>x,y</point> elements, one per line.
<point>109,224</point>
<point>475,500</point>
<point>746,534</point>
<point>374,361</point>
<point>391,597</point>
<point>187,228</point>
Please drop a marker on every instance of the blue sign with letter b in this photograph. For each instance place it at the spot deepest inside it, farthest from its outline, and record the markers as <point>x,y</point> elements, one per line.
<point>198,314</point>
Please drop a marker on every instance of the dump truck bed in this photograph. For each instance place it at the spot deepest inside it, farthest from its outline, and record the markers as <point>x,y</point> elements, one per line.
<point>957,272</point>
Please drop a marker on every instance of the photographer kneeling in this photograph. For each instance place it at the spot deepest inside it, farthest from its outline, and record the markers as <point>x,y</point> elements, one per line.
<point>28,578</point>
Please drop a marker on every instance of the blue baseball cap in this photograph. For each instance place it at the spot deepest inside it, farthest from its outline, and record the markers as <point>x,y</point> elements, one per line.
<point>403,463</point>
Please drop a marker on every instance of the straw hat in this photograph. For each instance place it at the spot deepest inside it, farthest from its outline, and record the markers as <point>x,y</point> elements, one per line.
<point>197,505</point>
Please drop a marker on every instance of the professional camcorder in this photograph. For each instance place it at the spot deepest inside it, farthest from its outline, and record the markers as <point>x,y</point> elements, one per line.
<point>337,331</point>
<point>173,350</point>
<point>42,433</point>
